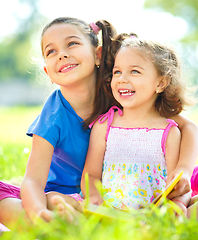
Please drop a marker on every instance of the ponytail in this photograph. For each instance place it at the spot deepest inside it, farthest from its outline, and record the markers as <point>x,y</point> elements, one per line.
<point>103,100</point>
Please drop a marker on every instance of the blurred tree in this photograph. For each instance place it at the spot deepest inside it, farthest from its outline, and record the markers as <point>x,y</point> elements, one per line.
<point>14,49</point>
<point>188,10</point>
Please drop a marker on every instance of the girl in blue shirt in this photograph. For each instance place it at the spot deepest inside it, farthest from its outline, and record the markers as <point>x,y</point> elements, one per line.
<point>75,62</point>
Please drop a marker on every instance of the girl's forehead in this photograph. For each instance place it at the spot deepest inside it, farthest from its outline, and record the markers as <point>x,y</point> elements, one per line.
<point>134,53</point>
<point>129,53</point>
<point>62,29</point>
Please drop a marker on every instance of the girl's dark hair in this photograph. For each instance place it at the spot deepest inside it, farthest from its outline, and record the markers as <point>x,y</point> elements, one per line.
<point>102,99</point>
<point>174,97</point>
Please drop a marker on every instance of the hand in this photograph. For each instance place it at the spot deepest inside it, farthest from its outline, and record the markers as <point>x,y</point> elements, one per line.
<point>182,206</point>
<point>44,214</point>
<point>96,199</point>
<point>182,187</point>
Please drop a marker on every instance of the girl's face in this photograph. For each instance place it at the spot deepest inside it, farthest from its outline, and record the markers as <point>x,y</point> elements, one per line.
<point>135,79</point>
<point>70,57</point>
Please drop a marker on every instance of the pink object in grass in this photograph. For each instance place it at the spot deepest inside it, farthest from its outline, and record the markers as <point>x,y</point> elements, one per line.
<point>3,228</point>
<point>194,181</point>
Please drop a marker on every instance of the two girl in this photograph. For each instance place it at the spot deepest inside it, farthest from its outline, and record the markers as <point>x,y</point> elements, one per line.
<point>60,138</point>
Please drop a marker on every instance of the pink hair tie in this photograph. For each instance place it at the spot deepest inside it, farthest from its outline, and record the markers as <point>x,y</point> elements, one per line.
<point>95,28</point>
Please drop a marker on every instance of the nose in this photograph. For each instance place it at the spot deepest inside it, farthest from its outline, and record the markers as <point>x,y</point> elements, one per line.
<point>63,55</point>
<point>123,79</point>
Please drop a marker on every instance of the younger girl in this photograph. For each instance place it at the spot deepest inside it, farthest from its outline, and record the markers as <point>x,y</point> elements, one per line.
<point>134,149</point>
<point>60,141</point>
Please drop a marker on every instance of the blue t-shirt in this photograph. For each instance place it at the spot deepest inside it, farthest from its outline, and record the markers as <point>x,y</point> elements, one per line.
<point>59,124</point>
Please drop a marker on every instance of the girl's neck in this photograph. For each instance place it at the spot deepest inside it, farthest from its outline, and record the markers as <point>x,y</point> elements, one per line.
<point>81,99</point>
<point>139,118</point>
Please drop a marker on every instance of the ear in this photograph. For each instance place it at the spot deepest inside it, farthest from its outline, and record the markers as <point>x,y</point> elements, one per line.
<point>163,83</point>
<point>98,55</point>
<point>45,69</point>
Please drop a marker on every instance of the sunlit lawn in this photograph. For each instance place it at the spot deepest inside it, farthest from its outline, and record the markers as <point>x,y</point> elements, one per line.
<point>14,143</point>
<point>145,224</point>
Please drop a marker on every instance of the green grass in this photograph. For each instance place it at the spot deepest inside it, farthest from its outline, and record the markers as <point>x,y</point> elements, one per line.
<point>160,223</point>
<point>15,145</point>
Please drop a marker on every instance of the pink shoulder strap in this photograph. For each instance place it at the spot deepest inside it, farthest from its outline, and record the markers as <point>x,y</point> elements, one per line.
<point>165,134</point>
<point>107,116</point>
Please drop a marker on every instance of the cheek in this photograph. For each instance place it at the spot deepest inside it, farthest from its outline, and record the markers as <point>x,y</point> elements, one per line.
<point>112,85</point>
<point>113,88</point>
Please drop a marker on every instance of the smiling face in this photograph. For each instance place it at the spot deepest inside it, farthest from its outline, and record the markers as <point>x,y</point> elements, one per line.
<point>69,55</point>
<point>135,80</point>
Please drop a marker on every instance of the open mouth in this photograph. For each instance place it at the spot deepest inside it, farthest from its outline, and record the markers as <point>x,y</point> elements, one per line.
<point>67,67</point>
<point>126,92</point>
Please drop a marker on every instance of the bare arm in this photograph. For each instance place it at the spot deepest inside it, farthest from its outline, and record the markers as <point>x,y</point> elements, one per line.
<point>188,155</point>
<point>172,149</point>
<point>172,156</point>
<point>33,185</point>
<point>94,161</point>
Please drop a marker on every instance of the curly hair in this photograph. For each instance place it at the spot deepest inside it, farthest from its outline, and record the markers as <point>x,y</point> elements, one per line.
<point>174,98</point>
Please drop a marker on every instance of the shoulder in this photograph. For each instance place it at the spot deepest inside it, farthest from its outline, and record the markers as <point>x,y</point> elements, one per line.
<point>184,122</point>
<point>51,121</point>
<point>174,134</point>
<point>109,116</point>
<point>53,103</point>
<point>100,125</point>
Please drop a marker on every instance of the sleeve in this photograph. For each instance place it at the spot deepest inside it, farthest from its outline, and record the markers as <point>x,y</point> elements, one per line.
<point>45,129</point>
<point>47,124</point>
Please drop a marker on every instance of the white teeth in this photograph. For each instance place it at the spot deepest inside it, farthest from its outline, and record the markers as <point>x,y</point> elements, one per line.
<point>123,91</point>
<point>68,67</point>
<point>126,92</point>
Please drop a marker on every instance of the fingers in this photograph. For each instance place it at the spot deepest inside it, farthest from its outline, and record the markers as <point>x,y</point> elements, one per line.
<point>176,193</point>
<point>96,199</point>
<point>181,188</point>
<point>64,209</point>
<point>45,215</point>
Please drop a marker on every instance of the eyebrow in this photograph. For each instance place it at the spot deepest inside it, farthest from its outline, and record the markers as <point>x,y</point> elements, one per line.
<point>69,37</point>
<point>137,66</point>
<point>131,66</point>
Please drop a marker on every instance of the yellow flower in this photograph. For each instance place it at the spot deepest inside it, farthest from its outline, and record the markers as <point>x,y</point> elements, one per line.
<point>159,167</point>
<point>148,167</point>
<point>124,166</point>
<point>136,175</point>
<point>142,192</point>
<point>111,200</point>
<point>113,167</point>
<point>119,193</point>
<point>156,193</point>
<point>145,200</point>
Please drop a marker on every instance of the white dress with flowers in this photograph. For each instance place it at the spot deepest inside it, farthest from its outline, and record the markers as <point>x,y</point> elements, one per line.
<point>134,168</point>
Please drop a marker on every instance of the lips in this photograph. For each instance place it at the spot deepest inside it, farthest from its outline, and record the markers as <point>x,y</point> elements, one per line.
<point>67,67</point>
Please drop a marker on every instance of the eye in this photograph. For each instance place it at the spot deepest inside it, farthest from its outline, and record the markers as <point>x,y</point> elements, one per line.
<point>116,72</point>
<point>135,72</point>
<point>72,43</point>
<point>49,52</point>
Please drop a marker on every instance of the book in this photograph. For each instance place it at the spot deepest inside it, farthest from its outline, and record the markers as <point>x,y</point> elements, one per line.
<point>108,211</point>
<point>159,199</point>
